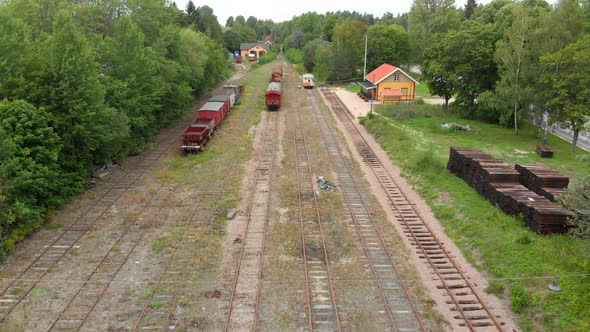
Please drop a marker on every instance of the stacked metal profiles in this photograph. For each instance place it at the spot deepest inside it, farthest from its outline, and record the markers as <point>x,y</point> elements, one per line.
<point>499,183</point>
<point>543,180</point>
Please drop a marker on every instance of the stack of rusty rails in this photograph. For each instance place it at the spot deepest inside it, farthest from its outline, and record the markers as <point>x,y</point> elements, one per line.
<point>543,180</point>
<point>24,282</point>
<point>320,295</point>
<point>464,299</point>
<point>169,285</point>
<point>401,312</point>
<point>499,183</point>
<point>243,306</point>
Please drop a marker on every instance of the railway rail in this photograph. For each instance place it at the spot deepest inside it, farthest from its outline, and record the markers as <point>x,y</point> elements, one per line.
<point>400,312</point>
<point>322,310</point>
<point>27,279</point>
<point>169,285</point>
<point>472,311</point>
<point>35,271</point>
<point>243,306</point>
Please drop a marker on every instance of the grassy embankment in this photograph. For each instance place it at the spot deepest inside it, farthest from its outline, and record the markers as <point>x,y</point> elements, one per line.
<point>519,262</point>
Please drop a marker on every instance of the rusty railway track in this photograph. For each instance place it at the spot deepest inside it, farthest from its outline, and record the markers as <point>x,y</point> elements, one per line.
<point>463,297</point>
<point>76,312</point>
<point>322,310</point>
<point>27,279</point>
<point>400,312</point>
<point>18,289</point>
<point>169,284</point>
<point>243,306</point>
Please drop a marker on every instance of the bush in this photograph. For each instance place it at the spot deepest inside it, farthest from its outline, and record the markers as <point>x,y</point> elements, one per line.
<point>267,57</point>
<point>495,287</point>
<point>419,101</point>
<point>294,55</point>
<point>519,299</point>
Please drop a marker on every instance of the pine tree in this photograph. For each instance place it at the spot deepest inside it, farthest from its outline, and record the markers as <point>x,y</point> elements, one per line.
<point>469,8</point>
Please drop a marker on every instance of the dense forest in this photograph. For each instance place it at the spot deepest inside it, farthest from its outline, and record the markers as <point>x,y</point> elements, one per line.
<point>505,62</point>
<point>86,83</point>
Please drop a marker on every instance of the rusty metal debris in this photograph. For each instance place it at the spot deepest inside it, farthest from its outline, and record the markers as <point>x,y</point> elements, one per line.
<point>325,184</point>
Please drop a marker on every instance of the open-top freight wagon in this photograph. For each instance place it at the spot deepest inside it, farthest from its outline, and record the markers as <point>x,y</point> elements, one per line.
<point>277,74</point>
<point>197,134</point>
<point>210,117</point>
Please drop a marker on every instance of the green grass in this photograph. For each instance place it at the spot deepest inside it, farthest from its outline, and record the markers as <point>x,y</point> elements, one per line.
<point>422,90</point>
<point>354,88</point>
<point>158,245</point>
<point>499,244</point>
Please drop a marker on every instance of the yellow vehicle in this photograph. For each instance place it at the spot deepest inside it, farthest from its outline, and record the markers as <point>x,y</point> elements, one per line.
<point>308,82</point>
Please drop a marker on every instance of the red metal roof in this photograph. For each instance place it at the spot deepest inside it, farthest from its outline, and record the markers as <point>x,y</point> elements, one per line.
<point>380,73</point>
<point>384,71</point>
<point>392,92</point>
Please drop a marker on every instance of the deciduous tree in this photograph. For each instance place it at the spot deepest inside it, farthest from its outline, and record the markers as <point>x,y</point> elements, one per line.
<point>429,17</point>
<point>566,86</point>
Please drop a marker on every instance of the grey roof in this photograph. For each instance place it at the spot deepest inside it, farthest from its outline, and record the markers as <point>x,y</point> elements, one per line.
<point>212,106</point>
<point>367,85</point>
<point>273,86</point>
<point>220,98</point>
<point>247,46</point>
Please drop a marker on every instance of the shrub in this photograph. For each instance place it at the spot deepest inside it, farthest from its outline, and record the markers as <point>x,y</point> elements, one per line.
<point>267,57</point>
<point>419,101</point>
<point>519,299</point>
<point>495,287</point>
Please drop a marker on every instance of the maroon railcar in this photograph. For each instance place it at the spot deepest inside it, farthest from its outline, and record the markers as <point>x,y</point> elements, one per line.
<point>227,99</point>
<point>277,74</point>
<point>197,134</point>
<point>213,110</point>
<point>273,96</point>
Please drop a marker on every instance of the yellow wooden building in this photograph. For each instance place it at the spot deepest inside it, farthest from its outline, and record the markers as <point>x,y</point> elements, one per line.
<point>389,84</point>
<point>253,51</point>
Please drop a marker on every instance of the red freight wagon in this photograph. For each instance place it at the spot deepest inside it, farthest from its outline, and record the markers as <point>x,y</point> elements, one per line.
<point>226,99</point>
<point>277,74</point>
<point>273,96</point>
<point>213,110</point>
<point>197,134</point>
<point>236,89</point>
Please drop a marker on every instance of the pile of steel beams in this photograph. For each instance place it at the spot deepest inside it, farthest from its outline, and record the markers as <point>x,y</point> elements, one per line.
<point>499,183</point>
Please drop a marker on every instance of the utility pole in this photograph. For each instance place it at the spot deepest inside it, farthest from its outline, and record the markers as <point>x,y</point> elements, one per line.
<point>365,65</point>
<point>374,94</point>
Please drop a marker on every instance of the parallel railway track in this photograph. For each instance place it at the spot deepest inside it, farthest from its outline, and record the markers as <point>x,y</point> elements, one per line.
<point>27,279</point>
<point>322,310</point>
<point>244,301</point>
<point>471,309</point>
<point>75,313</point>
<point>170,284</point>
<point>399,312</point>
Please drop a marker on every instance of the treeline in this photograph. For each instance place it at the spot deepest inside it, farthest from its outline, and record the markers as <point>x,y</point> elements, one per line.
<point>85,83</point>
<point>514,61</point>
<point>505,62</point>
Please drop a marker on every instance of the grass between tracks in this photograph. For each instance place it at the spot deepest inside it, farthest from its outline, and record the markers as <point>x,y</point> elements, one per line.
<point>496,243</point>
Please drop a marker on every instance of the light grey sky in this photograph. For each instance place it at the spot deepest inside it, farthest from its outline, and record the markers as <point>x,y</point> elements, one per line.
<point>280,10</point>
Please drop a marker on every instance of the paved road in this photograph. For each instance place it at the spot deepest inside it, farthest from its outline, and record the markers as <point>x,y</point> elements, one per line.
<point>568,135</point>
